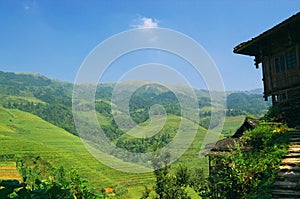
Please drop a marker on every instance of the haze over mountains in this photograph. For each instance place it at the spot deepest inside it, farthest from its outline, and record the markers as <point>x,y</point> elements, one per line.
<point>52,99</point>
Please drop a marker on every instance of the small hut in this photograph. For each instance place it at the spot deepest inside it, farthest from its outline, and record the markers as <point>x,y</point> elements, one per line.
<point>224,146</point>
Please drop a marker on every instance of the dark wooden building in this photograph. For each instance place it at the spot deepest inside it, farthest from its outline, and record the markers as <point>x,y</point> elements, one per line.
<point>277,51</point>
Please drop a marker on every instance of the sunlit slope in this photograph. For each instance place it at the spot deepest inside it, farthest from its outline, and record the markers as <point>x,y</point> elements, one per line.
<point>191,157</point>
<point>24,133</point>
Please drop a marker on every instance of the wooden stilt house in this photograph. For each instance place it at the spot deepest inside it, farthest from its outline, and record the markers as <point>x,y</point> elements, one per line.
<point>277,51</point>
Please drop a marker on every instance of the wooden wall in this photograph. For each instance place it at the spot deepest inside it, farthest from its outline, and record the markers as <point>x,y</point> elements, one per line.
<point>276,83</point>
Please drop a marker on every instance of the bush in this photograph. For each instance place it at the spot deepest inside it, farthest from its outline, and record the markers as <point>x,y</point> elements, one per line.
<point>249,169</point>
<point>274,114</point>
<point>58,184</point>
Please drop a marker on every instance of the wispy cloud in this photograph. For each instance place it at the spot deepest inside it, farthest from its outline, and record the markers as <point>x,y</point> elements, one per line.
<point>29,5</point>
<point>145,22</point>
<point>26,7</point>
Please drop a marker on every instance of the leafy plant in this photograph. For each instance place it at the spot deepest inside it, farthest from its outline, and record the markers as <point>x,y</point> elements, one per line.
<point>58,185</point>
<point>249,169</point>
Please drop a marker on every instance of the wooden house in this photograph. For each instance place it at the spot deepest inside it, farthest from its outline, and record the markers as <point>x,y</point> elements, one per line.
<point>277,51</point>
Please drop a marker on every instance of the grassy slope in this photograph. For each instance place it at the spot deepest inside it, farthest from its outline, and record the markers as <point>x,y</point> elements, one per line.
<point>232,123</point>
<point>24,133</point>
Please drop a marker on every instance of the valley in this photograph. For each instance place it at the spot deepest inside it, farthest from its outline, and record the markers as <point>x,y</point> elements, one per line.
<point>36,120</point>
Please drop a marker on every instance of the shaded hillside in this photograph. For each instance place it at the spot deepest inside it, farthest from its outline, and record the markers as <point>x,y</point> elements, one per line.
<point>243,103</point>
<point>52,100</point>
<point>36,94</point>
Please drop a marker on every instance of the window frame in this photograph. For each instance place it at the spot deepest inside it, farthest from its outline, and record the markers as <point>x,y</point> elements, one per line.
<point>283,60</point>
<point>291,59</point>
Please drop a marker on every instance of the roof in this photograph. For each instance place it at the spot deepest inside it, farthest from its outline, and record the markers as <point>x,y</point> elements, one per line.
<point>227,144</point>
<point>224,144</point>
<point>249,123</point>
<point>281,34</point>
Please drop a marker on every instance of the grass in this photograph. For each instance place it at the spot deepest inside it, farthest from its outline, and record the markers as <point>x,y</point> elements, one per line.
<point>231,124</point>
<point>31,135</point>
<point>191,156</point>
<point>22,133</point>
<point>25,134</point>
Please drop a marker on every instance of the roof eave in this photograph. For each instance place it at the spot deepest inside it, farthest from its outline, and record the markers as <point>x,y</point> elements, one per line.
<point>243,48</point>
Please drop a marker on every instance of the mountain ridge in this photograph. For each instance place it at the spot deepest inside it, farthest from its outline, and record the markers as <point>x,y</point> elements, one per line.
<point>52,99</point>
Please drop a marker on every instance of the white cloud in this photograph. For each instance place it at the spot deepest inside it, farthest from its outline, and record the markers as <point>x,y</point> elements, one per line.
<point>29,5</point>
<point>26,7</point>
<point>145,22</point>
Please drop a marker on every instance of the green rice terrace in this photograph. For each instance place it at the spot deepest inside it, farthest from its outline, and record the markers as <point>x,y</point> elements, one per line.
<point>24,134</point>
<point>38,140</point>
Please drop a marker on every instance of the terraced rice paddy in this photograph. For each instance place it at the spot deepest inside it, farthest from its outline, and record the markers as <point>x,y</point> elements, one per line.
<point>25,134</point>
<point>8,170</point>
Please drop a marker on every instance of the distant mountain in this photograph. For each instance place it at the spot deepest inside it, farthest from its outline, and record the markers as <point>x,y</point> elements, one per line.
<point>52,99</point>
<point>242,103</point>
<point>258,91</point>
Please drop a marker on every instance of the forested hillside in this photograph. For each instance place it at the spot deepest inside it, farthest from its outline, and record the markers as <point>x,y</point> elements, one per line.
<point>243,103</point>
<point>52,100</point>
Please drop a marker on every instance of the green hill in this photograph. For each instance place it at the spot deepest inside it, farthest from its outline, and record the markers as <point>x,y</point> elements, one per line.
<point>36,119</point>
<point>25,134</point>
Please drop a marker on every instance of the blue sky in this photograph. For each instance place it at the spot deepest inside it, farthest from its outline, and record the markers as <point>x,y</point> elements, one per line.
<point>54,37</point>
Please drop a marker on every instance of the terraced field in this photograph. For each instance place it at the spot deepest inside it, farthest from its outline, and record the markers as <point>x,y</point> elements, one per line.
<point>25,134</point>
<point>8,170</point>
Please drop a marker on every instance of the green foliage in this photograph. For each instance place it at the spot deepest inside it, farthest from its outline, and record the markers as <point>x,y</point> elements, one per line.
<point>168,185</point>
<point>264,136</point>
<point>25,135</point>
<point>36,94</point>
<point>121,190</point>
<point>146,193</point>
<point>143,145</point>
<point>103,108</point>
<point>79,188</point>
<point>58,184</point>
<point>56,114</point>
<point>145,97</point>
<point>243,104</point>
<point>274,114</point>
<point>248,173</point>
<point>52,100</point>
<point>198,182</point>
<point>23,79</point>
<point>7,188</point>
<point>175,182</point>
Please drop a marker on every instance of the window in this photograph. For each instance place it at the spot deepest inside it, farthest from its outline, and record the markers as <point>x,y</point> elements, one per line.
<point>281,97</point>
<point>286,61</point>
<point>279,64</point>
<point>291,59</point>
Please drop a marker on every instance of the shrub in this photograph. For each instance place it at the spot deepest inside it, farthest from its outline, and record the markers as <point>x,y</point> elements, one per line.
<point>58,184</point>
<point>249,173</point>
